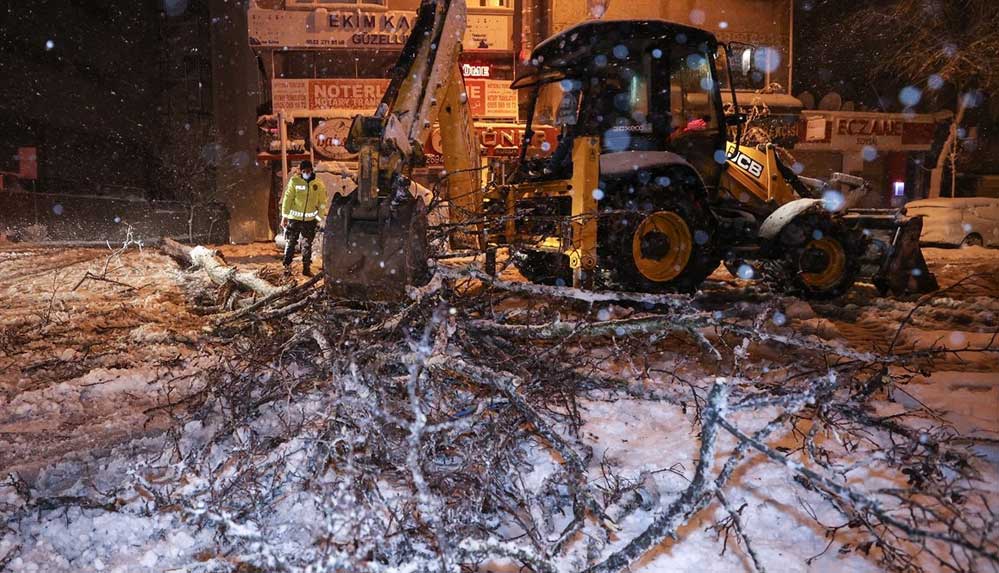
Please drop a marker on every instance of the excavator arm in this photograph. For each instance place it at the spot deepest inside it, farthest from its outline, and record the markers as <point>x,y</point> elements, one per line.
<point>375,240</point>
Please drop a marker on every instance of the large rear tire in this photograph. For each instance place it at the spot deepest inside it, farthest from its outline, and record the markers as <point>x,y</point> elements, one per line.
<point>665,241</point>
<point>820,256</point>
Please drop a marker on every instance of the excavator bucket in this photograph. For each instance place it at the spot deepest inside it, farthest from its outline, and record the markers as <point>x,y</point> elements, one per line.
<point>903,268</point>
<point>375,257</point>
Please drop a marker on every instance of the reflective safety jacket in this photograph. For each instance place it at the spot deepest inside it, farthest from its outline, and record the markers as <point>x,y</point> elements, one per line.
<point>304,200</point>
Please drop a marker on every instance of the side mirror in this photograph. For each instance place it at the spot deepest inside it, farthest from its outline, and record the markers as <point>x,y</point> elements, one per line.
<point>736,119</point>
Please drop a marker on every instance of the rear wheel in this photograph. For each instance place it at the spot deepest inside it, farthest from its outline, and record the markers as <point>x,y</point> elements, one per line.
<point>821,257</point>
<point>666,244</point>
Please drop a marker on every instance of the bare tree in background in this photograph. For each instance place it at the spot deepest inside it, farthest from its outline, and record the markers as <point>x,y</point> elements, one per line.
<point>188,170</point>
<point>946,46</point>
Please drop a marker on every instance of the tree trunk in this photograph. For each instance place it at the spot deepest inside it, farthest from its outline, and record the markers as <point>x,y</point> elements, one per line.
<point>216,269</point>
<point>936,175</point>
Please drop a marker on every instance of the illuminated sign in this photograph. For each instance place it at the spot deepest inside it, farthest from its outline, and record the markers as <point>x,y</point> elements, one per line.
<point>476,70</point>
<point>852,131</point>
<point>355,27</point>
<point>497,140</point>
<point>347,96</point>
<point>329,136</point>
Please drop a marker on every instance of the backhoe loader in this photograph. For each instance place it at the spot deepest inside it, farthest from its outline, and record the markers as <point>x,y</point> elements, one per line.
<point>642,191</point>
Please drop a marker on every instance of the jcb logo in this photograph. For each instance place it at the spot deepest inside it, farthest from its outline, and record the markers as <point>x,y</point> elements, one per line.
<point>742,161</point>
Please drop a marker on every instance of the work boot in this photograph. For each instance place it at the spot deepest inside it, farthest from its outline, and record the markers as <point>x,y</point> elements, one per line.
<point>287,271</point>
<point>306,271</point>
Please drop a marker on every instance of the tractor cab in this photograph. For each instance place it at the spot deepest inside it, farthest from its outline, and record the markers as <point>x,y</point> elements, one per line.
<point>637,85</point>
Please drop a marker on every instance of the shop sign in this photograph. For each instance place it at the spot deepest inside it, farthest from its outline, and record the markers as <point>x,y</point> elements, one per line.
<point>344,28</point>
<point>351,95</point>
<point>495,140</point>
<point>815,129</point>
<point>488,32</point>
<point>852,131</point>
<point>476,70</point>
<point>347,96</point>
<point>491,98</point>
<point>290,95</point>
<point>329,138</point>
<point>357,28</point>
<point>780,128</point>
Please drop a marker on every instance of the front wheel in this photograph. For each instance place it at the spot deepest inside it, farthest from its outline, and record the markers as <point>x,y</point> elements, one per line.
<point>821,256</point>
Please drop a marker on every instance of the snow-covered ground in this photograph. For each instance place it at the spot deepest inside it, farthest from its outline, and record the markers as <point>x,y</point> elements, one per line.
<point>95,382</point>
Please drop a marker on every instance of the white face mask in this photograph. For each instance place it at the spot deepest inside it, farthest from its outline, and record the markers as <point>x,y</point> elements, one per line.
<point>308,175</point>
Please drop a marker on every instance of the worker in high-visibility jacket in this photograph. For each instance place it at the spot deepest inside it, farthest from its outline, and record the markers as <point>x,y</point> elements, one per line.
<point>302,208</point>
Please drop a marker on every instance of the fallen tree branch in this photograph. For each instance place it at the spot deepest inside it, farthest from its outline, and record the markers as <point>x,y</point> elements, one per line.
<point>296,293</point>
<point>506,384</point>
<point>676,301</point>
<point>860,501</point>
<point>216,269</point>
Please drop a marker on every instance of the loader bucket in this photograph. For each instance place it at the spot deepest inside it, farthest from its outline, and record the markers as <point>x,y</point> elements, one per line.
<point>903,269</point>
<point>375,257</point>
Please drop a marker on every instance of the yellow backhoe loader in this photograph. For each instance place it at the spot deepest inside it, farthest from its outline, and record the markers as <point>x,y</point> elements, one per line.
<point>642,190</point>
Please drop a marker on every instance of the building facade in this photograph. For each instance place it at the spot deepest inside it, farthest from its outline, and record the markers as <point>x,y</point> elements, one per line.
<point>322,62</point>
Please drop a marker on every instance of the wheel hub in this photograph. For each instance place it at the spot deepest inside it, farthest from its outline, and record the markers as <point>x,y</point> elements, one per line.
<point>655,246</point>
<point>814,260</point>
<point>661,246</point>
<point>822,263</point>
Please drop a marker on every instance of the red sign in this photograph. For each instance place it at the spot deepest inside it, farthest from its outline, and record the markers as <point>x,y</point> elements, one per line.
<point>358,95</point>
<point>496,140</point>
<point>28,162</point>
<point>491,98</point>
<point>849,131</point>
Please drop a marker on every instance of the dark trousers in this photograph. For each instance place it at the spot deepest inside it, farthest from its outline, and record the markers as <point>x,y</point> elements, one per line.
<point>307,230</point>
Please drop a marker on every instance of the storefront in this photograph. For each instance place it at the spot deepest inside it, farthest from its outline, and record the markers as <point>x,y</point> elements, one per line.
<point>326,61</point>
<point>889,150</point>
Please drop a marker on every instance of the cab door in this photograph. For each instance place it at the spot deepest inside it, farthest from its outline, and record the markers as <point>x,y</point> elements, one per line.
<point>696,131</point>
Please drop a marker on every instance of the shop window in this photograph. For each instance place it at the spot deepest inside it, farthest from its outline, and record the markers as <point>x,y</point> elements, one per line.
<point>336,64</point>
<point>303,64</point>
<point>753,67</point>
<point>294,64</point>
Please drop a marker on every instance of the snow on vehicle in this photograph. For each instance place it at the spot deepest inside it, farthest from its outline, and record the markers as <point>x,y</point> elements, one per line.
<point>958,222</point>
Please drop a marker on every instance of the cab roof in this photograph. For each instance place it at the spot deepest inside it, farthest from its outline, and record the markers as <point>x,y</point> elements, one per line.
<point>578,45</point>
<point>599,33</point>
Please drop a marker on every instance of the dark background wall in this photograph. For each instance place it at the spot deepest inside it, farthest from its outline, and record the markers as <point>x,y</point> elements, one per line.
<point>150,99</point>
